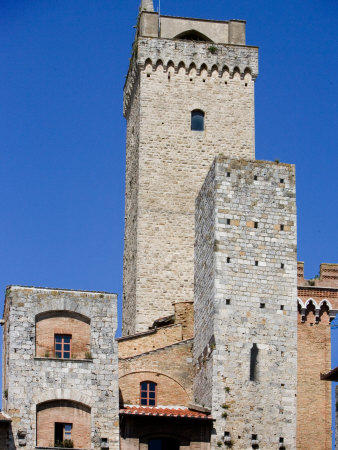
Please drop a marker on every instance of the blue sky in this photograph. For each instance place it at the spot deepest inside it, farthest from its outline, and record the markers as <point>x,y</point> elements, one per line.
<point>63,65</point>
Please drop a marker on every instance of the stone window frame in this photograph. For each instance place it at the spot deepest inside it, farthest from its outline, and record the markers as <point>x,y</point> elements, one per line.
<point>62,351</point>
<point>149,400</point>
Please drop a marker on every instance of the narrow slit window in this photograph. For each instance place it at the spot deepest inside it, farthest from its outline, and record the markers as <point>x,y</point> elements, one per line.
<point>197,120</point>
<point>253,362</point>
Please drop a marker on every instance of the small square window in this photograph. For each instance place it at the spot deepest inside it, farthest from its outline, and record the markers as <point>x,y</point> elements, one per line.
<point>227,301</point>
<point>228,174</point>
<point>281,181</point>
<point>262,305</point>
<point>282,227</point>
<point>228,259</point>
<point>282,307</point>
<point>254,437</point>
<point>256,263</point>
<point>228,221</point>
<point>255,177</point>
<point>282,266</point>
<point>256,224</point>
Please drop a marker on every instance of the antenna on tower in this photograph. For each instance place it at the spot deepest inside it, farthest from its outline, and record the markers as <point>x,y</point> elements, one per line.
<point>159,18</point>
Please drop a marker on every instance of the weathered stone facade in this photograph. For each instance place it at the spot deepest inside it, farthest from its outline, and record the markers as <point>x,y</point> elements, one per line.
<point>167,162</point>
<point>245,290</point>
<point>31,382</point>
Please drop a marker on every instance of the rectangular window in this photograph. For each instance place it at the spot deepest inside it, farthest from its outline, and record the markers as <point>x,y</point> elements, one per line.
<point>63,346</point>
<point>63,432</point>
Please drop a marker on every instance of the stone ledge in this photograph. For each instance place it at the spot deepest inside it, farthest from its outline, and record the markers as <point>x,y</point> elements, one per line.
<point>43,358</point>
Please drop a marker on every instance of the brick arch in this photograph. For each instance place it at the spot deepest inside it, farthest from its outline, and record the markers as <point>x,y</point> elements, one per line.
<point>169,390</point>
<point>64,322</point>
<point>50,417</point>
<point>63,304</point>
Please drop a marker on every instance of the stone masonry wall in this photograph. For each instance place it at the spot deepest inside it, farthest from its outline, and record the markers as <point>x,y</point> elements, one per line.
<point>31,381</point>
<point>255,278</point>
<point>176,77</point>
<point>131,213</point>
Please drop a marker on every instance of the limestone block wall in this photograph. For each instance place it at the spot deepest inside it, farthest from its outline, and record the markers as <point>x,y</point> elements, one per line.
<point>30,381</point>
<point>253,359</point>
<point>173,78</point>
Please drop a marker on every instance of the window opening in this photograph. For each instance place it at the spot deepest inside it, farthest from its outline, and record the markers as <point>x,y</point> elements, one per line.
<point>148,393</point>
<point>62,346</point>
<point>63,432</point>
<point>197,120</point>
<point>163,444</point>
<point>253,362</point>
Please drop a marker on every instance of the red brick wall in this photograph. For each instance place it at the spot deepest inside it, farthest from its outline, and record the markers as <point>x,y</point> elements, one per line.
<point>313,395</point>
<point>46,328</point>
<point>145,342</point>
<point>64,412</point>
<point>168,391</point>
<point>184,314</point>
<point>174,366</point>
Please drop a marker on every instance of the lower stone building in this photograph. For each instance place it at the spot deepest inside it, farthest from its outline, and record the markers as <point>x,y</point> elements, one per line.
<point>60,377</point>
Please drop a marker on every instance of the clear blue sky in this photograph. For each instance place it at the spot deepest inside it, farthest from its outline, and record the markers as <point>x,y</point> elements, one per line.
<point>62,70</point>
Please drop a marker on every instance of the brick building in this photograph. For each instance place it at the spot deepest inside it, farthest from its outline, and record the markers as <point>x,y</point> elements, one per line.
<point>223,339</point>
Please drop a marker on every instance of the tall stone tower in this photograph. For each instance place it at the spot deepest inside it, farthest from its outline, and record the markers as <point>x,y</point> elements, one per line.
<point>189,96</point>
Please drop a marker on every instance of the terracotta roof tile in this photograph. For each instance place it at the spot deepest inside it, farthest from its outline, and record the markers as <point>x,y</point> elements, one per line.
<point>164,412</point>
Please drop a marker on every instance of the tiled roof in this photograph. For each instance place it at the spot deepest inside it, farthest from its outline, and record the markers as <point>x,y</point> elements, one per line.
<point>157,411</point>
<point>4,417</point>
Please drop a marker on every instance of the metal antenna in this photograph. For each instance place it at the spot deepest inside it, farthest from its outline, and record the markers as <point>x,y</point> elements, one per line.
<point>159,18</point>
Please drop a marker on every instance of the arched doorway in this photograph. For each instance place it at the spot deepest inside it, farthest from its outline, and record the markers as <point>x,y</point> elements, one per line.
<point>163,444</point>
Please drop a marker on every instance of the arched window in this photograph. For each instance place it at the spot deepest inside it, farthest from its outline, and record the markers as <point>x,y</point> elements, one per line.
<point>197,120</point>
<point>148,393</point>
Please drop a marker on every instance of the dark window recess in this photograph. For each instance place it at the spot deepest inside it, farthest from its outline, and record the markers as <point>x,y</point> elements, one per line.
<point>228,259</point>
<point>256,224</point>
<point>255,177</point>
<point>254,436</point>
<point>282,227</point>
<point>282,307</point>
<point>256,263</point>
<point>227,301</point>
<point>228,221</point>
<point>262,305</point>
<point>197,120</point>
<point>62,432</point>
<point>148,393</point>
<point>228,174</point>
<point>282,266</point>
<point>253,362</point>
<point>163,444</point>
<point>281,181</point>
<point>281,440</point>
